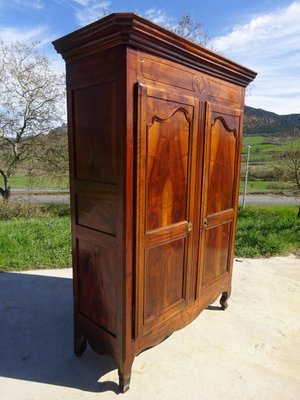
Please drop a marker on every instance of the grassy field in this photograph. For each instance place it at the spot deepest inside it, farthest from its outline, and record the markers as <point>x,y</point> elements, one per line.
<point>264,151</point>
<point>261,179</point>
<point>36,237</point>
<point>43,182</point>
<point>267,231</point>
<point>265,187</point>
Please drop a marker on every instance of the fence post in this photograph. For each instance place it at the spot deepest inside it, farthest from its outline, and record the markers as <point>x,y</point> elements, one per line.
<point>246,177</point>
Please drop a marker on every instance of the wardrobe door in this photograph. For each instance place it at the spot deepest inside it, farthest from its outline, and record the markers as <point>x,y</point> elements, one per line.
<point>220,193</point>
<point>166,150</point>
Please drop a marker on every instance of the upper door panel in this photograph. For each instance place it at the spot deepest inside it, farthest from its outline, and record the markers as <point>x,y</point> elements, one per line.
<point>168,146</point>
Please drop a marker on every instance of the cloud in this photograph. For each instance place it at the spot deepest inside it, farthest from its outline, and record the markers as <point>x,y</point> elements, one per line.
<point>90,10</point>
<point>269,44</point>
<point>13,34</point>
<point>283,23</point>
<point>82,2</point>
<point>32,4</point>
<point>158,16</point>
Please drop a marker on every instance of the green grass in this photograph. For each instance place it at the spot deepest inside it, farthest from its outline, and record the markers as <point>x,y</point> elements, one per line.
<point>42,182</point>
<point>263,156</point>
<point>265,187</point>
<point>34,237</point>
<point>35,244</point>
<point>12,210</point>
<point>267,231</point>
<point>252,140</point>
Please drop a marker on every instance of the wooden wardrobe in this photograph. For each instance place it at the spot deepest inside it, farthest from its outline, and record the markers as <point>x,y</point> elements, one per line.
<point>155,124</point>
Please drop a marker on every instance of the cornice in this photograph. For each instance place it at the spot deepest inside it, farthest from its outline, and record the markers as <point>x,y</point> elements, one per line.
<point>134,31</point>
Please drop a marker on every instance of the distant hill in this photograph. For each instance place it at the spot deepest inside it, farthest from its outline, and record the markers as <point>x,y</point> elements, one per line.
<point>256,122</point>
<point>60,130</point>
<point>262,122</point>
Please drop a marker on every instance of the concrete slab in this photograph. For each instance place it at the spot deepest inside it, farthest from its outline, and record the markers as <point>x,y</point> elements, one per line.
<point>250,351</point>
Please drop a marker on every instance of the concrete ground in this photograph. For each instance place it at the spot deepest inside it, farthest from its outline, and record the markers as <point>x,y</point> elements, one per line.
<point>250,351</point>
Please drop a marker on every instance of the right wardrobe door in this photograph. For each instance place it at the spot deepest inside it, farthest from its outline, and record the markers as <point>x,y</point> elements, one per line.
<point>220,193</point>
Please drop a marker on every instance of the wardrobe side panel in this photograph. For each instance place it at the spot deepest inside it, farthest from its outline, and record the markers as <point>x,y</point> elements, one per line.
<point>95,191</point>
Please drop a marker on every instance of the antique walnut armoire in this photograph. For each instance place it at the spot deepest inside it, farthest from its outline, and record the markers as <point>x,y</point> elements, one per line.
<point>155,125</point>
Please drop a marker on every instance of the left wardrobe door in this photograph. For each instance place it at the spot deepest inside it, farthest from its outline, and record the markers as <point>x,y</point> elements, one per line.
<point>166,152</point>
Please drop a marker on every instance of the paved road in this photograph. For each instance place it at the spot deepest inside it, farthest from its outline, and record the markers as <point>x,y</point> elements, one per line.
<point>270,200</point>
<point>40,197</point>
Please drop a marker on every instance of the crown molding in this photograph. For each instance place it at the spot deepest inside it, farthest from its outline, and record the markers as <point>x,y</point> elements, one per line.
<point>131,30</point>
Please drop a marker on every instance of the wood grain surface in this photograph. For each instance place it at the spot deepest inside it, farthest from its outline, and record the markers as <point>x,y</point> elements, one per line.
<point>155,125</point>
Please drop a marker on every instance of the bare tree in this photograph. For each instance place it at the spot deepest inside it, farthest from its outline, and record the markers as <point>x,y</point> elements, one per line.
<point>49,156</point>
<point>191,29</point>
<point>31,103</point>
<point>288,164</point>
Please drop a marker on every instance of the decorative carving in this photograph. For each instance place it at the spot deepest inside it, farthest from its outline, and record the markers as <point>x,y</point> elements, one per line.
<point>201,85</point>
<point>170,115</point>
<point>226,126</point>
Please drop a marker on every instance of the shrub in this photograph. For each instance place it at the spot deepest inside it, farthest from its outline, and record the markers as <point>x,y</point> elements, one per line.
<point>14,210</point>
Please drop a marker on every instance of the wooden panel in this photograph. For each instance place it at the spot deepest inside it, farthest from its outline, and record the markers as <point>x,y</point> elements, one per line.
<point>166,72</point>
<point>95,133</point>
<point>221,167</point>
<point>97,211</point>
<point>164,277</point>
<point>217,242</point>
<point>95,237</point>
<point>97,285</point>
<point>225,92</point>
<point>167,165</point>
<point>218,91</point>
<point>91,70</point>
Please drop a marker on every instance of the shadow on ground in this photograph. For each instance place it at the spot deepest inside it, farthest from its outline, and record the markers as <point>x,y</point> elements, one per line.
<point>37,335</point>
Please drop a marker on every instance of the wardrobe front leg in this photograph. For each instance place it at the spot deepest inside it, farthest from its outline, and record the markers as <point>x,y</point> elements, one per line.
<point>223,300</point>
<point>80,343</point>
<point>124,372</point>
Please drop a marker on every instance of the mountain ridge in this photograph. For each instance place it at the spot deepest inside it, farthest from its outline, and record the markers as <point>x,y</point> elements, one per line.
<point>258,121</point>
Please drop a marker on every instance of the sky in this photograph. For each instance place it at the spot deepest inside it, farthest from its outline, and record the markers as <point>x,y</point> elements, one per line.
<point>263,35</point>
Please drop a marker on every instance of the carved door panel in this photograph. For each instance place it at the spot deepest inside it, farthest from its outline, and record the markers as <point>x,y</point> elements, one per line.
<point>166,148</point>
<point>220,193</point>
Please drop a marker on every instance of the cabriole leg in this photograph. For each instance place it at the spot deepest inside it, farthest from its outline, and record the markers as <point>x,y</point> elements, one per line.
<point>80,344</point>
<point>223,300</point>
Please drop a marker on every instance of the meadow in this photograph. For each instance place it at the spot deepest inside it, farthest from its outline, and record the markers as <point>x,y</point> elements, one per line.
<point>34,236</point>
<point>264,150</point>
<point>37,237</point>
<point>263,153</point>
<point>21,181</point>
